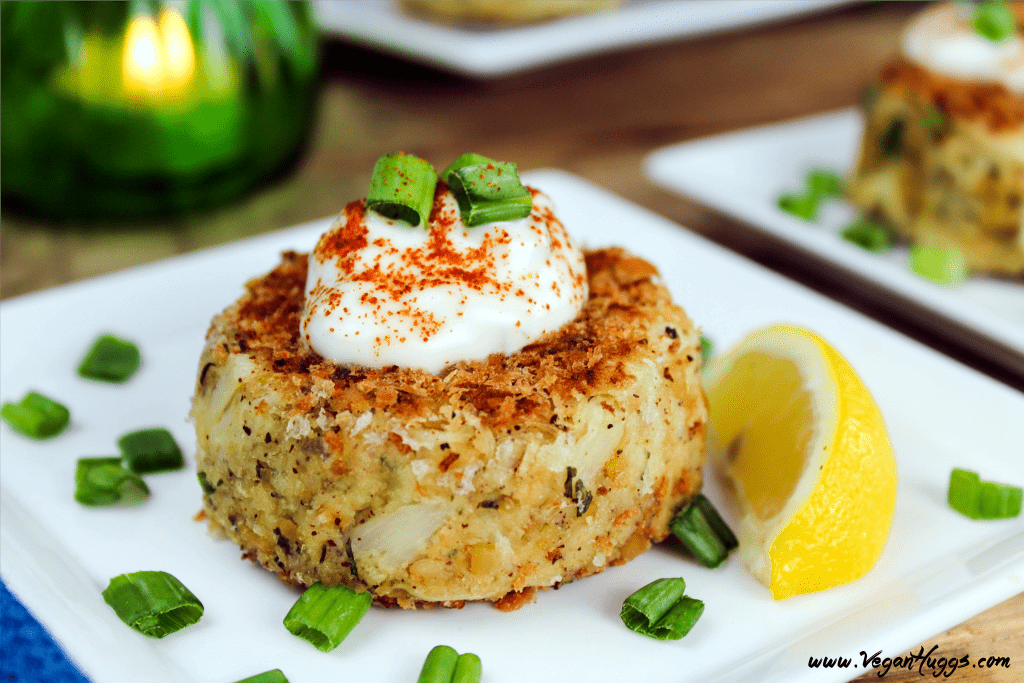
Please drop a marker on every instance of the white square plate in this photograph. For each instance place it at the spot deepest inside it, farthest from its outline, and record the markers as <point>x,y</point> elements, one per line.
<point>938,568</point>
<point>495,52</point>
<point>742,174</point>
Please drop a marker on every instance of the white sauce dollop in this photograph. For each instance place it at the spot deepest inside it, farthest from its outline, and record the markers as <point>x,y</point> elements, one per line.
<point>380,292</point>
<point>942,39</point>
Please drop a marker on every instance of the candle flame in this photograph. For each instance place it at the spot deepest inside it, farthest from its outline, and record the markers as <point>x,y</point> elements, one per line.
<point>159,58</point>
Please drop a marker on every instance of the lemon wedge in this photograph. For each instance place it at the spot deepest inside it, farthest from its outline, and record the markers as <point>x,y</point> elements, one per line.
<point>798,437</point>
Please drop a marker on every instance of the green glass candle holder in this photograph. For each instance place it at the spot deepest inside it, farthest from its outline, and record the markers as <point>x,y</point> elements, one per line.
<point>145,109</point>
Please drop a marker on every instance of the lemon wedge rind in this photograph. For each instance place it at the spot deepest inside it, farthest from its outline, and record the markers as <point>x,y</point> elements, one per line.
<point>828,520</point>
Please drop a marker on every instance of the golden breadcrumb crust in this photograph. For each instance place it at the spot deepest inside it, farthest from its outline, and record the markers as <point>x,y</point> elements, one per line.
<point>486,481</point>
<point>991,103</point>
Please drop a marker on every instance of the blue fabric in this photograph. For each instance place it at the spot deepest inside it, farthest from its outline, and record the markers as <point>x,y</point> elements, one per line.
<point>27,652</point>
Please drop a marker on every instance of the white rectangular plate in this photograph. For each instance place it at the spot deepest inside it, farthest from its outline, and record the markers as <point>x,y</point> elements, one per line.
<point>494,52</point>
<point>742,174</point>
<point>937,569</point>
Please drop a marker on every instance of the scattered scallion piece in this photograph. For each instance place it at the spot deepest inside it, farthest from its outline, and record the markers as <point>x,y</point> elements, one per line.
<point>487,190</point>
<point>703,531</point>
<point>804,205</point>
<point>824,183</point>
<point>110,359</point>
<point>153,602</point>
<point>439,666</point>
<point>964,493</point>
<point>661,611</point>
<point>707,347</point>
<point>444,665</point>
<point>994,19</point>
<point>324,616</point>
<point>977,499</point>
<point>468,669</point>
<point>274,676</point>
<point>36,416</point>
<point>944,265</point>
<point>867,235</point>
<point>1000,501</point>
<point>104,481</point>
<point>402,188</point>
<point>150,450</point>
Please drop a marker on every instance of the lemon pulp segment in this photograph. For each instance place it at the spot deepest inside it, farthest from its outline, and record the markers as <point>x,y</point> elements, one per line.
<point>776,417</point>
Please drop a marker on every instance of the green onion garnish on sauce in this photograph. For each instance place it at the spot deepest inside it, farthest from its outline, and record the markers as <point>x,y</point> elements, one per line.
<point>487,190</point>
<point>153,603</point>
<point>104,481</point>
<point>703,531</point>
<point>661,611</point>
<point>324,616</point>
<point>150,450</point>
<point>402,188</point>
<point>867,235</point>
<point>941,264</point>
<point>994,19</point>
<point>110,359</point>
<point>36,416</point>
<point>444,665</point>
<point>977,499</point>
<point>274,676</point>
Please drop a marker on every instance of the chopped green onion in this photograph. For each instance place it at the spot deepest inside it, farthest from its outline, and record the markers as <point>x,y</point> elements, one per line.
<point>402,188</point>
<point>150,450</point>
<point>661,611</point>
<point>274,676</point>
<point>701,529</point>
<point>468,669</point>
<point>110,359</point>
<point>205,484</point>
<point>487,190</point>
<point>439,666</point>
<point>934,120</point>
<point>824,183</point>
<point>894,138</point>
<point>944,265</point>
<point>867,235</point>
<point>1000,501</point>
<point>104,481</point>
<point>36,415</point>
<point>467,159</point>
<point>977,499</point>
<point>153,603</point>
<point>994,19</point>
<point>803,206</point>
<point>324,616</point>
<point>964,493</point>
<point>707,347</point>
<point>444,665</point>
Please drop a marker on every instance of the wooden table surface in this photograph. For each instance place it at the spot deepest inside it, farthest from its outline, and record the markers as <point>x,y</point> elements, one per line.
<point>597,118</point>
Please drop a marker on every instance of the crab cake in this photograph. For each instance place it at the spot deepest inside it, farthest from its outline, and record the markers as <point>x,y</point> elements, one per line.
<point>942,157</point>
<point>485,481</point>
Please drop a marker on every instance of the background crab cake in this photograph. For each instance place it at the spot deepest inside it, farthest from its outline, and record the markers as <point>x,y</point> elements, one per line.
<point>942,158</point>
<point>484,482</point>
